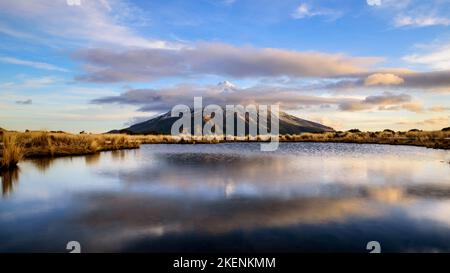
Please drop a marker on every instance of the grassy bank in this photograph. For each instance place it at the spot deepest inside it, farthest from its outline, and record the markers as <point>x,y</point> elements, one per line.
<point>15,146</point>
<point>429,139</point>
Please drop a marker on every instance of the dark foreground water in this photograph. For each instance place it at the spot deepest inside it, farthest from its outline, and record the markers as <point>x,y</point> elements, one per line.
<point>231,197</point>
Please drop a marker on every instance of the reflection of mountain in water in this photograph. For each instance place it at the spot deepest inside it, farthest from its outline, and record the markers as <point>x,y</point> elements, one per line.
<point>232,197</point>
<point>243,194</point>
<point>162,218</point>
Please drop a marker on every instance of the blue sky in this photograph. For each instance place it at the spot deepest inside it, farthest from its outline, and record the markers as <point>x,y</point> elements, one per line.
<point>101,64</point>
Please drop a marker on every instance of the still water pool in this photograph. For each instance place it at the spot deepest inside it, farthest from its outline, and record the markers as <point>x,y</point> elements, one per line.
<point>305,197</point>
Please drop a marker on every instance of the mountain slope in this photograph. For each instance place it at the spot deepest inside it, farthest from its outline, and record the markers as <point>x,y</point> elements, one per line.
<point>288,124</point>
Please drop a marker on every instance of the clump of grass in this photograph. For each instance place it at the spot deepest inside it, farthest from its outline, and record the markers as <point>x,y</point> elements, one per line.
<point>94,146</point>
<point>42,144</point>
<point>12,152</point>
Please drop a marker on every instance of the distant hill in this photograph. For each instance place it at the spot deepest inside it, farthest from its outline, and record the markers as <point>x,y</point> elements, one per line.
<point>288,125</point>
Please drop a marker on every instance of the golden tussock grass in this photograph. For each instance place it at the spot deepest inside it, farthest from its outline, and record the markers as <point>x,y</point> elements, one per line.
<point>42,144</point>
<point>12,151</point>
<point>429,139</point>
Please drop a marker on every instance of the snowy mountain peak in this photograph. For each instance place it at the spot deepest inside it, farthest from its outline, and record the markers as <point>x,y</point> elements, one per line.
<point>227,87</point>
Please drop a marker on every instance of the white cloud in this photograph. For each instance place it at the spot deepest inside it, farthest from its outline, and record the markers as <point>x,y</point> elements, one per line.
<point>37,65</point>
<point>434,81</point>
<point>421,21</point>
<point>416,107</point>
<point>160,100</point>
<point>16,33</point>
<point>215,59</point>
<point>386,101</point>
<point>383,79</point>
<point>304,11</point>
<point>28,83</point>
<point>414,13</point>
<point>437,122</point>
<point>106,4</point>
<point>438,58</point>
<point>151,100</point>
<point>439,108</point>
<point>37,82</point>
<point>374,2</point>
<point>99,22</point>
